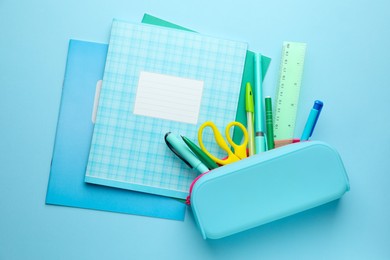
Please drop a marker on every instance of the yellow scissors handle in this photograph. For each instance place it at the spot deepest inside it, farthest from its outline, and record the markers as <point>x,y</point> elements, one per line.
<point>220,141</point>
<point>239,150</point>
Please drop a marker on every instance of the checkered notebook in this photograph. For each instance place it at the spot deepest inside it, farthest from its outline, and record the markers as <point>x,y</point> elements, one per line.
<point>160,80</point>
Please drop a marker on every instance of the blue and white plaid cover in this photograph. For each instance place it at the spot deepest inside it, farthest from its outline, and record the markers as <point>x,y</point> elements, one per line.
<point>128,151</point>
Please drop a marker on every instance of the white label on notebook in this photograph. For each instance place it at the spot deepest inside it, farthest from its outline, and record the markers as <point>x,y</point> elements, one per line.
<point>168,97</point>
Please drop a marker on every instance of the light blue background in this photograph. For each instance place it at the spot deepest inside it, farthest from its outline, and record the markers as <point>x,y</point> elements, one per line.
<point>347,66</point>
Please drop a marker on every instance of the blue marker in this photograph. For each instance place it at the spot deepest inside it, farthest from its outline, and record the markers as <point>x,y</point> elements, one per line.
<point>312,120</point>
<point>181,150</point>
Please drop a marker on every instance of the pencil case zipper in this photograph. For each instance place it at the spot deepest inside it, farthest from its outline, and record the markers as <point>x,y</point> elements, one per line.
<point>188,200</point>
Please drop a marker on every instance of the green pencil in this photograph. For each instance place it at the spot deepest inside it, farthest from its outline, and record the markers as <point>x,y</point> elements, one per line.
<point>200,154</point>
<point>269,124</point>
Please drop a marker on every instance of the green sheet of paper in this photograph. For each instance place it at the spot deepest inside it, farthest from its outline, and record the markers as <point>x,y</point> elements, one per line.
<point>248,74</point>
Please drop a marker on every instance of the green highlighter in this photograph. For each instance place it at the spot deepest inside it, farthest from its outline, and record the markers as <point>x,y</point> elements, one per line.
<point>200,154</point>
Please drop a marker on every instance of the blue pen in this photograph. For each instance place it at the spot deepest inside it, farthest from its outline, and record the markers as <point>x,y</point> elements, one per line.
<point>312,120</point>
<point>181,150</point>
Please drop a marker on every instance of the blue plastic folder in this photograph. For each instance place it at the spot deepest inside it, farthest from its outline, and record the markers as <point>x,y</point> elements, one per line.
<point>85,66</point>
<point>267,187</point>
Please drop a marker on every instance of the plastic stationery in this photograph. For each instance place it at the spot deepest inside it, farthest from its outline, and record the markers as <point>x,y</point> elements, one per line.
<point>239,149</point>
<point>66,187</point>
<point>183,153</point>
<point>267,187</point>
<point>291,70</point>
<point>143,97</point>
<point>312,120</point>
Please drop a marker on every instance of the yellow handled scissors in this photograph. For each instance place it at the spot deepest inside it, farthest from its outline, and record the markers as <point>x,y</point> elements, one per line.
<point>239,150</point>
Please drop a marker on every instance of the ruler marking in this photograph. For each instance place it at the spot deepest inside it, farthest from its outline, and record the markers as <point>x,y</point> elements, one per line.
<point>291,71</point>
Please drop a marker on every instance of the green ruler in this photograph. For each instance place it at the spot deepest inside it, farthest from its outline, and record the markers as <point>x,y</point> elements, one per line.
<point>291,70</point>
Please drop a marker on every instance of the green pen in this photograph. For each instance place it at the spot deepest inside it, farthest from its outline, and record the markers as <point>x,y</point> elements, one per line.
<point>202,156</point>
<point>249,107</point>
<point>268,123</point>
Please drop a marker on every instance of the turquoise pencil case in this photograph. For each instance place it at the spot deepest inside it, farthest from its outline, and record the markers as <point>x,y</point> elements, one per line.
<point>266,187</point>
